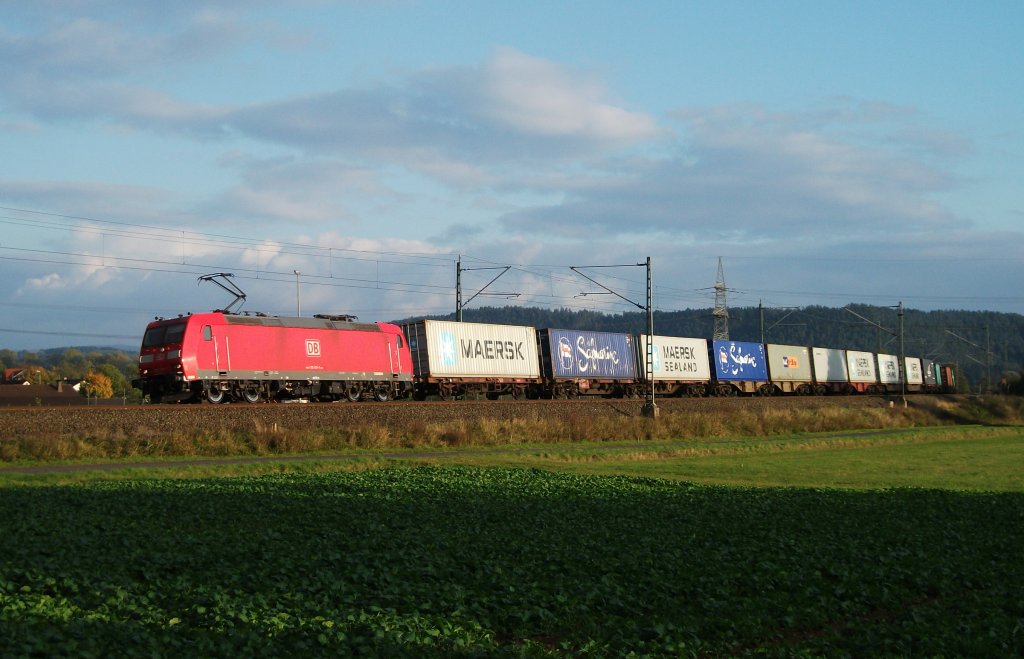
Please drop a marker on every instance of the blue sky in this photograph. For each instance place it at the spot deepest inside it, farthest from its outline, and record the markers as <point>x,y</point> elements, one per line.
<point>829,152</point>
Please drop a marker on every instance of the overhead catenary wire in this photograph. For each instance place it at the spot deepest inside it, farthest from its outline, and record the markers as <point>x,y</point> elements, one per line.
<point>667,298</point>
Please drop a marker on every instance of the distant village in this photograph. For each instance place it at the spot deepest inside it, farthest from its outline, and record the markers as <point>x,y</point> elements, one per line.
<point>18,389</point>
<point>66,377</point>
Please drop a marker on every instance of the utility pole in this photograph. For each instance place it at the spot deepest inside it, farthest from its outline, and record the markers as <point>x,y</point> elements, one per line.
<point>650,408</point>
<point>458,290</point>
<point>903,359</point>
<point>459,304</point>
<point>760,313</point>
<point>298,307</point>
<point>721,312</point>
<point>988,362</point>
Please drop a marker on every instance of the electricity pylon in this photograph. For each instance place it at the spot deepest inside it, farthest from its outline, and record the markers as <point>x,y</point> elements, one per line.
<point>721,312</point>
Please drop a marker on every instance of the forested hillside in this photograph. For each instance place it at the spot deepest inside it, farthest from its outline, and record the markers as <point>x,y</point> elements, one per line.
<point>957,337</point>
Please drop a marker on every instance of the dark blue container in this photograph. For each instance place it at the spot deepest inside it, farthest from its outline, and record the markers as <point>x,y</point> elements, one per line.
<point>587,355</point>
<point>739,361</point>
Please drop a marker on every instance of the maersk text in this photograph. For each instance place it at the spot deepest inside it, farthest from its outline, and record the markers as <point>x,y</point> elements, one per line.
<point>490,349</point>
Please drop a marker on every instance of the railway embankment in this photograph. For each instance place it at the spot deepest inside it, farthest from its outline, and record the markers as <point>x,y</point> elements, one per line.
<point>42,434</point>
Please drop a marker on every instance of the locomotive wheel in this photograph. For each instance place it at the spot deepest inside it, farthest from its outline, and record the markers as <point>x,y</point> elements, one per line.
<point>382,393</point>
<point>215,396</point>
<point>353,393</point>
<point>251,393</point>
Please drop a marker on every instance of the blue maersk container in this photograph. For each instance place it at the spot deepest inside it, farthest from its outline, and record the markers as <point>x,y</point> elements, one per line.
<point>739,361</point>
<point>587,355</point>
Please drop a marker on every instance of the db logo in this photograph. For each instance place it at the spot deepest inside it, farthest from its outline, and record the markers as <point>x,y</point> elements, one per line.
<point>312,348</point>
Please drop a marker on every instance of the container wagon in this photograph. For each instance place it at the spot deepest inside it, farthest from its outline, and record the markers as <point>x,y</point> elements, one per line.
<point>889,374</point>
<point>218,357</point>
<point>576,362</point>
<point>946,378</point>
<point>831,374</point>
<point>928,374</point>
<point>915,376</point>
<point>861,368</point>
<point>789,368</point>
<point>739,368</point>
<point>455,360</point>
<point>680,365</point>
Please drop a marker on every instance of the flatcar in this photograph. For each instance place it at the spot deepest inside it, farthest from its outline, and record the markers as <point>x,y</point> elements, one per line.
<point>454,360</point>
<point>680,366</point>
<point>740,368</point>
<point>579,363</point>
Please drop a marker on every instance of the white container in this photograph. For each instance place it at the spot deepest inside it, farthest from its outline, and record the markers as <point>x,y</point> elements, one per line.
<point>788,363</point>
<point>861,366</point>
<point>829,365</point>
<point>915,374</point>
<point>445,349</point>
<point>888,369</point>
<point>676,359</point>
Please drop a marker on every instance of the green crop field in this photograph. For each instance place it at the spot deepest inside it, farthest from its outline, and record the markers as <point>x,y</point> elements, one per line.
<point>974,458</point>
<point>467,561</point>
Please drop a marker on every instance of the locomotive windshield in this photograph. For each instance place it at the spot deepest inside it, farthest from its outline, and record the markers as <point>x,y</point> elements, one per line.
<point>163,334</point>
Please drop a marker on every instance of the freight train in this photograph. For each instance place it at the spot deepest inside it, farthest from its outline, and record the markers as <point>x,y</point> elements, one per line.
<point>219,356</point>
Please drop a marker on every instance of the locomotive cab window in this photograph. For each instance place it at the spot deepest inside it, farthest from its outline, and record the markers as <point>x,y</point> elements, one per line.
<point>154,336</point>
<point>175,333</point>
<point>399,339</point>
<point>207,333</point>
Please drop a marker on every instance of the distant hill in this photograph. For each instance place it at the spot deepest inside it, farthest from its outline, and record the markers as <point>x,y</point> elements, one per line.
<point>957,337</point>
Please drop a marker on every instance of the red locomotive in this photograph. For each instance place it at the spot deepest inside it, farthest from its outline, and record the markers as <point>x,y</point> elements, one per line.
<point>221,356</point>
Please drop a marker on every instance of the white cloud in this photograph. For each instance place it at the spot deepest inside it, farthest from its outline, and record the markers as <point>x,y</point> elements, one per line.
<point>535,95</point>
